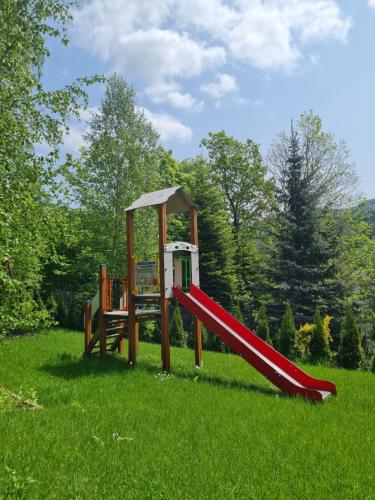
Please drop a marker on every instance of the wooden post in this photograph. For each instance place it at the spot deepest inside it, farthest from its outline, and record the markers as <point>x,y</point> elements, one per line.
<point>88,325</point>
<point>197,323</point>
<point>102,306</point>
<point>120,348</point>
<point>132,323</point>
<point>164,302</point>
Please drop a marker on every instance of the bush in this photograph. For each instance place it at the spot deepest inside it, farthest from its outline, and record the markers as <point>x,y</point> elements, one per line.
<point>350,351</point>
<point>318,345</point>
<point>177,334</point>
<point>287,334</point>
<point>373,364</point>
<point>262,327</point>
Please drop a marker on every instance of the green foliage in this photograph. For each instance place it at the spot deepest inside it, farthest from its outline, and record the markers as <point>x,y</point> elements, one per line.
<point>29,116</point>
<point>177,334</point>
<point>373,364</point>
<point>357,265</point>
<point>287,334</point>
<point>119,163</point>
<point>238,171</point>
<point>307,241</point>
<point>318,345</point>
<point>350,352</point>
<point>159,415</point>
<point>262,327</point>
<point>216,249</point>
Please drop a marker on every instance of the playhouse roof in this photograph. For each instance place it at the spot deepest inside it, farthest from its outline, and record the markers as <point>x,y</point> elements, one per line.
<point>174,197</point>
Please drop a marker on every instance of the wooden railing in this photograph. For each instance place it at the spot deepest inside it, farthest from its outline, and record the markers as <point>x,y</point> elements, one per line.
<point>116,293</point>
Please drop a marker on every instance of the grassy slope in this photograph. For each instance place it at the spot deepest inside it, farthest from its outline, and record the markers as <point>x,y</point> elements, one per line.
<point>220,433</point>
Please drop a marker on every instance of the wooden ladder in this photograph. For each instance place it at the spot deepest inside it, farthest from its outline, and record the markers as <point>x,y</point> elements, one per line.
<point>115,332</point>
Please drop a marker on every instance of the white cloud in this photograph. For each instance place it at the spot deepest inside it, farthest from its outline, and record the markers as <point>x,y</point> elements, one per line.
<point>162,44</point>
<point>169,128</point>
<point>171,94</point>
<point>268,34</point>
<point>371,4</point>
<point>155,55</point>
<point>244,101</point>
<point>225,84</point>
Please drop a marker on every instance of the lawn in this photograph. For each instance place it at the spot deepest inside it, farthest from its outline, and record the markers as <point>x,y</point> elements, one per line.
<point>109,431</point>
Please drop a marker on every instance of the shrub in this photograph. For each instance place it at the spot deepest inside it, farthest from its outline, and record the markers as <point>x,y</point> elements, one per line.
<point>318,345</point>
<point>262,327</point>
<point>350,351</point>
<point>177,334</point>
<point>287,334</point>
<point>373,364</point>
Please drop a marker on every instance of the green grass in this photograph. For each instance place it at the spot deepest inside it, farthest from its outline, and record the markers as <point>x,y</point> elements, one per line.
<point>108,431</point>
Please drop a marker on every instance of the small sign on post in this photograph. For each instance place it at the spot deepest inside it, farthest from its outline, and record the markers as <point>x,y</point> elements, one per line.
<point>147,274</point>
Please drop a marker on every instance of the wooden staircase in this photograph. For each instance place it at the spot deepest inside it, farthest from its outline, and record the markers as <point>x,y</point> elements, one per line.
<point>114,334</point>
<point>112,310</point>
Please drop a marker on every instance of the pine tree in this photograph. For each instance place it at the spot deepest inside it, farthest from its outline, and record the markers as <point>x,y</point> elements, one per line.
<point>318,347</point>
<point>262,328</point>
<point>307,248</point>
<point>350,352</point>
<point>177,334</point>
<point>287,333</point>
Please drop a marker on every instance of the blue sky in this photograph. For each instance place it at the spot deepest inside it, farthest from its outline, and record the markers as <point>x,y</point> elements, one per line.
<point>245,66</point>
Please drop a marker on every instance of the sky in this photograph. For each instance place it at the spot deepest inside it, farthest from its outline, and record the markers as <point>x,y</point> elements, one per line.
<point>244,66</point>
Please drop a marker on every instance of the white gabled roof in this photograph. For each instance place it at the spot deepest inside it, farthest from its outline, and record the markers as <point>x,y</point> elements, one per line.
<point>174,197</point>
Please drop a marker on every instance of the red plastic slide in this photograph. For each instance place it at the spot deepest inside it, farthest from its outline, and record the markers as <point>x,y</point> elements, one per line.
<point>264,358</point>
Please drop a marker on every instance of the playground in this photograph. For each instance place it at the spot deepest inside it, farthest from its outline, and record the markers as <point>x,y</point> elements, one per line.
<point>219,432</point>
<point>104,412</point>
<point>121,307</point>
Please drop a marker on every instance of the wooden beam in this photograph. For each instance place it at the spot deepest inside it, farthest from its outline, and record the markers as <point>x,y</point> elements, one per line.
<point>132,323</point>
<point>164,302</point>
<point>88,325</point>
<point>197,323</point>
<point>102,306</point>
<point>120,347</point>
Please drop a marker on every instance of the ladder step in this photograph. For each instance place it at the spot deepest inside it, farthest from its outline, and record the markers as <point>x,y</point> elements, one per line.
<point>112,336</point>
<point>115,329</point>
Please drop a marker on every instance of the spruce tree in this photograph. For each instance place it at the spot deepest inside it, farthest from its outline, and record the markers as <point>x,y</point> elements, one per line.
<point>350,351</point>
<point>306,255</point>
<point>262,327</point>
<point>177,334</point>
<point>287,333</point>
<point>318,347</point>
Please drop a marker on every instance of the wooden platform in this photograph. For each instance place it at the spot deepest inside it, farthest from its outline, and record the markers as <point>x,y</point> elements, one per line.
<point>146,298</point>
<point>140,313</point>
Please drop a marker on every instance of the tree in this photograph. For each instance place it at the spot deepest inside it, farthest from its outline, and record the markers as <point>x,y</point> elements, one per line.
<point>262,328</point>
<point>119,163</point>
<point>357,266</point>
<point>287,333</point>
<point>177,334</point>
<point>350,352</point>
<point>318,345</point>
<point>214,233</point>
<point>373,364</point>
<point>306,254</point>
<point>325,164</point>
<point>238,171</point>
<point>29,116</point>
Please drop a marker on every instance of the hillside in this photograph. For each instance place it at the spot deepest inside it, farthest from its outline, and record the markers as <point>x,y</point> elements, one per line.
<point>106,430</point>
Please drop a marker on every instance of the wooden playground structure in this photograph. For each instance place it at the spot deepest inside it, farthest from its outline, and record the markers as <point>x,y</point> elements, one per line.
<point>120,313</point>
<point>122,303</point>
